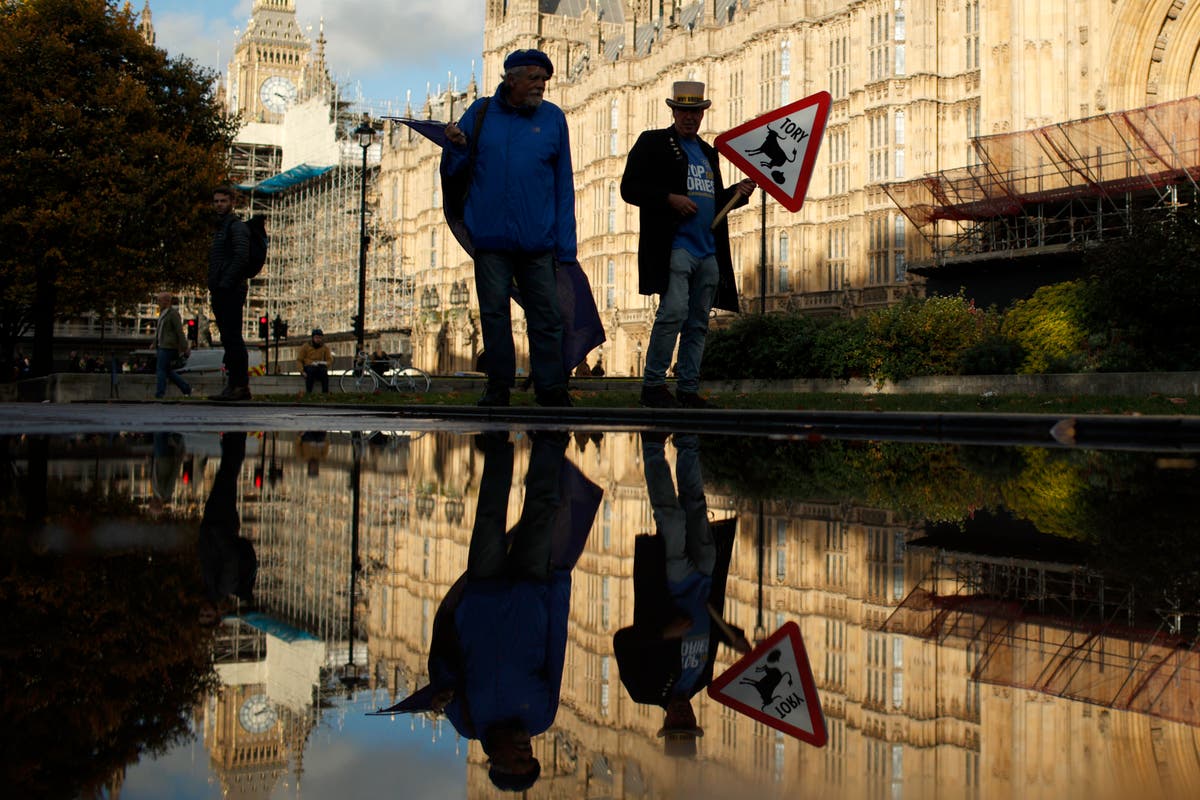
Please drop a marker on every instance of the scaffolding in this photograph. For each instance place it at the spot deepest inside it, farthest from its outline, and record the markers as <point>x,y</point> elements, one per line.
<point>1058,186</point>
<point>1060,629</point>
<point>250,163</point>
<point>312,270</point>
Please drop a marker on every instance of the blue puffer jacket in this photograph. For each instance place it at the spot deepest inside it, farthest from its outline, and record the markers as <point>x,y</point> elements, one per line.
<point>522,194</point>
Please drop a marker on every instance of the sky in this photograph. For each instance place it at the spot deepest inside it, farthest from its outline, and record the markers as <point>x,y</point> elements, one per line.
<point>376,50</point>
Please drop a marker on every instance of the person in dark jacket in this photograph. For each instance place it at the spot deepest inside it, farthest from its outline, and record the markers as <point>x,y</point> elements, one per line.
<point>227,559</point>
<point>520,213</point>
<point>228,255</point>
<point>674,178</point>
<point>667,656</point>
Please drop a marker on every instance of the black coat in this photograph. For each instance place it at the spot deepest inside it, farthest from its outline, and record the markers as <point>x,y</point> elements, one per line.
<point>657,167</point>
<point>649,665</point>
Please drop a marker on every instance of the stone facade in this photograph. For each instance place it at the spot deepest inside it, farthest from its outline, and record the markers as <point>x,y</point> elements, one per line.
<point>913,82</point>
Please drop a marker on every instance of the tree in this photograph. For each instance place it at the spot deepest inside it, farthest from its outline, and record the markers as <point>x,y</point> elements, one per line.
<point>108,155</point>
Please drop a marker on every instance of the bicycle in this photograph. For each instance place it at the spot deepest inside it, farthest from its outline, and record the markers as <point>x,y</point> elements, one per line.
<point>363,377</point>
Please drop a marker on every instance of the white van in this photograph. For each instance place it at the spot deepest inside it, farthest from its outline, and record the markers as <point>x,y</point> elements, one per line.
<point>208,359</point>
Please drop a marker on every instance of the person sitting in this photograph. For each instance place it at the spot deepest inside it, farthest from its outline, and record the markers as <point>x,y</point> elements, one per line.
<point>314,359</point>
<point>381,362</point>
<point>598,370</point>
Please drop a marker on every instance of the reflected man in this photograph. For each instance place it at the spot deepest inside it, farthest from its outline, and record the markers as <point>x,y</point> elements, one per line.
<point>227,558</point>
<point>500,635</point>
<point>667,656</point>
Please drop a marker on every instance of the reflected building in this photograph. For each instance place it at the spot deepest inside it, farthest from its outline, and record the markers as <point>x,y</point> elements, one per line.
<point>907,710</point>
<point>990,672</point>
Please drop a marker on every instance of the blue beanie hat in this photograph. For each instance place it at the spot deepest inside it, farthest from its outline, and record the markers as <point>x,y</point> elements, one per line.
<point>528,58</point>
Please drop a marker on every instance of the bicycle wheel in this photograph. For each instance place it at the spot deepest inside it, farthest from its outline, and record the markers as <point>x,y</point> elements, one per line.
<point>359,381</point>
<point>412,379</point>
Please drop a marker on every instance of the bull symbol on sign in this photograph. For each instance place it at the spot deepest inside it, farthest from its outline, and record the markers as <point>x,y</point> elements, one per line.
<point>775,157</point>
<point>772,676</point>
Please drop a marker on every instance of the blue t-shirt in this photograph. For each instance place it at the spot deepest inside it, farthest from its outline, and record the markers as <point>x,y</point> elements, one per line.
<point>691,596</point>
<point>695,233</point>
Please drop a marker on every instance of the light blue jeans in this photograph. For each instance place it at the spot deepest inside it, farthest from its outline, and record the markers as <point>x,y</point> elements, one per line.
<point>682,314</point>
<point>680,512</point>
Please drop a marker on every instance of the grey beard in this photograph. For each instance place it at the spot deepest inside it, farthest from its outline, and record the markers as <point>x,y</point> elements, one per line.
<point>532,102</point>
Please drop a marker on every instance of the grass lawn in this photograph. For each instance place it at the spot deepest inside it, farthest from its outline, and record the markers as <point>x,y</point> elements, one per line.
<point>934,403</point>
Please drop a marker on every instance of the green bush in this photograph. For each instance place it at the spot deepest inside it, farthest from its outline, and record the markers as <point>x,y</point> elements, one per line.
<point>840,351</point>
<point>1051,327</point>
<point>924,336</point>
<point>995,355</point>
<point>1143,290</point>
<point>764,346</point>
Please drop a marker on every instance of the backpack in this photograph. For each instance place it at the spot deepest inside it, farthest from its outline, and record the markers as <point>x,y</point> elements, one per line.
<point>259,240</point>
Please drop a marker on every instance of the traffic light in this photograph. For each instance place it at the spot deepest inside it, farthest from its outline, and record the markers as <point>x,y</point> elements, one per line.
<point>356,325</point>
<point>262,327</point>
<point>193,330</point>
<point>283,329</point>
<point>258,477</point>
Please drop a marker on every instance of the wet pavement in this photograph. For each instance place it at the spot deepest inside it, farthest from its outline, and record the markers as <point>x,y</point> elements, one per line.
<point>210,600</point>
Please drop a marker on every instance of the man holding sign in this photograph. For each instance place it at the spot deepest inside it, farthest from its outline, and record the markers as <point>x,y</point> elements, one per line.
<point>673,176</point>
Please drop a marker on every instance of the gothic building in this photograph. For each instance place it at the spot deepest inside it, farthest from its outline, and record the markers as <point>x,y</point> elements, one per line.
<point>920,89</point>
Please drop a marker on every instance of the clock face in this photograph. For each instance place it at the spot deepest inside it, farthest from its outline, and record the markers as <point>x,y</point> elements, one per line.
<point>277,94</point>
<point>257,715</point>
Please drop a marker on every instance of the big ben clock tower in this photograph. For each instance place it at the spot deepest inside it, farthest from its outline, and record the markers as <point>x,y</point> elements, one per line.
<point>268,64</point>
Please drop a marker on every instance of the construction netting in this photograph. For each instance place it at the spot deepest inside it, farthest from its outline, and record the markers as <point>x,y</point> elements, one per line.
<point>1145,149</point>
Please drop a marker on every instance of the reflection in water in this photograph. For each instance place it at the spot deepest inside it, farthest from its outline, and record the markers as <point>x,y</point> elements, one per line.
<point>228,560</point>
<point>500,634</point>
<point>981,622</point>
<point>667,656</point>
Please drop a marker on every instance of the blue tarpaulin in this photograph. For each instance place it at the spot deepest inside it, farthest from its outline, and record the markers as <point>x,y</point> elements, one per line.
<point>284,180</point>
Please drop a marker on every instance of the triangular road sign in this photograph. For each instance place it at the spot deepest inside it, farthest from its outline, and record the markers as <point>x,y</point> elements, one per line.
<point>774,685</point>
<point>779,149</point>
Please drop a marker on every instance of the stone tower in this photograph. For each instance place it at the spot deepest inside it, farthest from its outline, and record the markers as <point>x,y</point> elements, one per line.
<point>267,70</point>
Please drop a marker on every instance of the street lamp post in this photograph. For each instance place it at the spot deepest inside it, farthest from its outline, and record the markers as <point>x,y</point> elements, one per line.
<point>365,135</point>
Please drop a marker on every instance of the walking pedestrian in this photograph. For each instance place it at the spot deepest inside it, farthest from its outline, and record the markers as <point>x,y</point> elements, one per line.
<point>169,343</point>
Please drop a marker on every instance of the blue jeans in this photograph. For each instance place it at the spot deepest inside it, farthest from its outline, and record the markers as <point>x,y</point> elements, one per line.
<point>680,513</point>
<point>534,274</point>
<point>164,372</point>
<point>682,314</point>
<point>524,553</point>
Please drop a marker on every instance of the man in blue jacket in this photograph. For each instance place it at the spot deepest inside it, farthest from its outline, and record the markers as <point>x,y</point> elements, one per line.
<point>500,635</point>
<point>520,213</point>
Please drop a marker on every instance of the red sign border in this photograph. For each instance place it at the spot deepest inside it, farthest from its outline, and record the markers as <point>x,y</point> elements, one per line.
<point>820,736</point>
<point>823,100</point>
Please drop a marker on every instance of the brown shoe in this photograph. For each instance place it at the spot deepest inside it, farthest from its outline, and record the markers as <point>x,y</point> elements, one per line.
<point>658,397</point>
<point>233,394</point>
<point>694,400</point>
